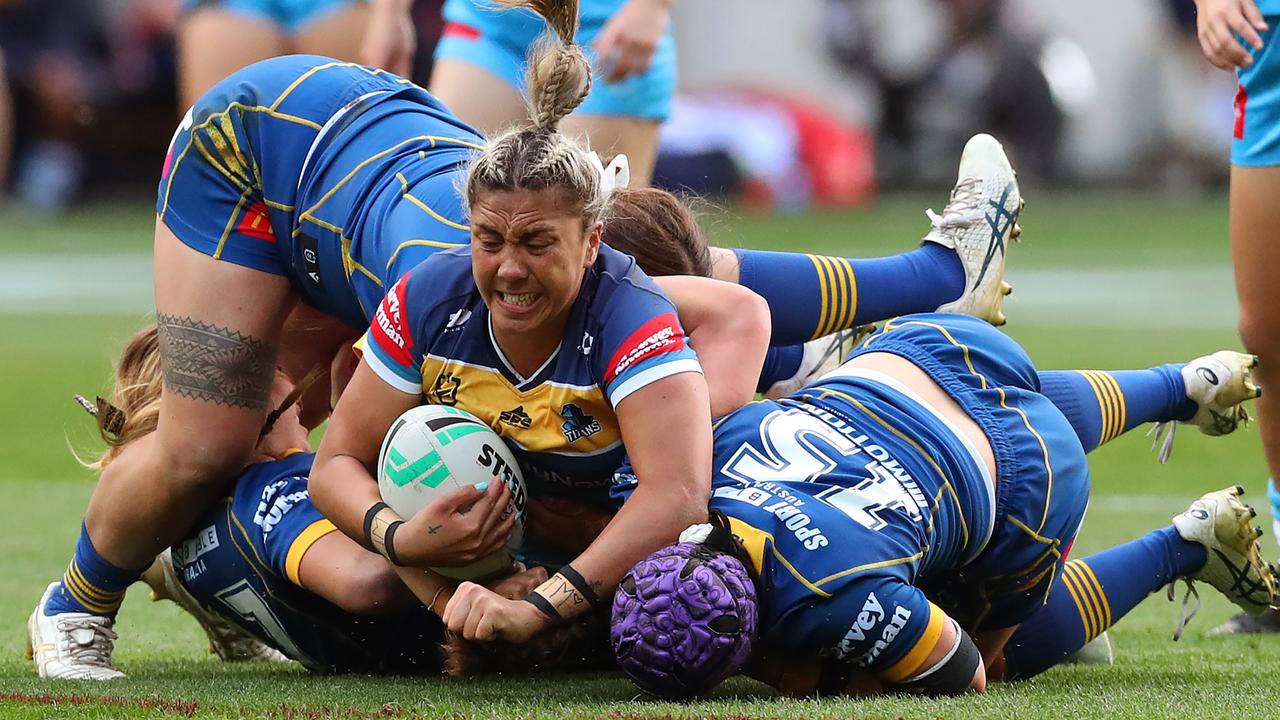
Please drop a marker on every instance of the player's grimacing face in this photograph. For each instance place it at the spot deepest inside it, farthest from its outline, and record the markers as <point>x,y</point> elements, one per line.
<point>530,249</point>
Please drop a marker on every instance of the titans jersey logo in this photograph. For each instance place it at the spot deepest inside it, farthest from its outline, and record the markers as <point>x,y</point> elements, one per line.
<point>577,424</point>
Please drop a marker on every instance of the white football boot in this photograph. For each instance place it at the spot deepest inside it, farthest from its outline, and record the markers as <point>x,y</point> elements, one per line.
<point>1218,384</point>
<point>821,356</point>
<point>225,639</point>
<point>1097,651</point>
<point>70,646</point>
<point>1234,564</point>
<point>978,223</point>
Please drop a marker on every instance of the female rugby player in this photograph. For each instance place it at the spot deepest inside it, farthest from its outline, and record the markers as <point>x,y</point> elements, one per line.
<point>218,37</point>
<point>893,524</point>
<point>559,344</point>
<point>1237,34</point>
<point>306,179</point>
<point>261,570</point>
<point>478,74</point>
<point>265,561</point>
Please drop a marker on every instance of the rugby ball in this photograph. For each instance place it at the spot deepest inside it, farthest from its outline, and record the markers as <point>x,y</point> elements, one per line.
<point>432,450</point>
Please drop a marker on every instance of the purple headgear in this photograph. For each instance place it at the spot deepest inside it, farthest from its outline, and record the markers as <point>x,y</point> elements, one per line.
<point>684,618</point>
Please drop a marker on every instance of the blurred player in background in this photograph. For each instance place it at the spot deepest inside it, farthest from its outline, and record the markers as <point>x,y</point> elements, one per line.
<point>1240,35</point>
<point>907,520</point>
<point>218,37</point>
<point>50,57</point>
<point>479,60</point>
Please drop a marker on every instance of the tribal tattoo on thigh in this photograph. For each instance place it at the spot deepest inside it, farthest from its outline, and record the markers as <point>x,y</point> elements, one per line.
<point>215,364</point>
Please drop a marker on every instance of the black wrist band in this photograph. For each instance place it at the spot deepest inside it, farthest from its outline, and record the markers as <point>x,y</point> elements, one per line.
<point>579,583</point>
<point>544,606</point>
<point>368,523</point>
<point>389,543</point>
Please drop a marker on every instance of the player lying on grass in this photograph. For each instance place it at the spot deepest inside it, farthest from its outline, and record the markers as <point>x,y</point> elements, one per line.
<point>557,343</point>
<point>900,519</point>
<point>358,187</point>
<point>263,561</point>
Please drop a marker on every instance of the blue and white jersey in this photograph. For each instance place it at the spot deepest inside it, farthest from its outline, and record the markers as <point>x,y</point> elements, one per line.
<point>432,335</point>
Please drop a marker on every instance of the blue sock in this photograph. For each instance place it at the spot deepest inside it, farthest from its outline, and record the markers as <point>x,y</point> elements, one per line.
<point>814,295</point>
<point>91,584</point>
<point>1093,594</point>
<point>1103,405</point>
<point>780,363</point>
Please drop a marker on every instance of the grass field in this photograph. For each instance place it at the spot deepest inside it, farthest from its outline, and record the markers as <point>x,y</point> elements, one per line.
<point>1101,281</point>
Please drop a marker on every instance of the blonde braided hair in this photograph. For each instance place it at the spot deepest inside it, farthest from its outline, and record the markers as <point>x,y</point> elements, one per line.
<point>537,156</point>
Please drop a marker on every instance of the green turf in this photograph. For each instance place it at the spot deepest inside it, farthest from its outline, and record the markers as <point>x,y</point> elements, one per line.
<point>46,358</point>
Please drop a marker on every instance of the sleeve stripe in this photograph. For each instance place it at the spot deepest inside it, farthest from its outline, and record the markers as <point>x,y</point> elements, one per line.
<point>652,375</point>
<point>911,662</point>
<point>389,376</point>
<point>302,544</point>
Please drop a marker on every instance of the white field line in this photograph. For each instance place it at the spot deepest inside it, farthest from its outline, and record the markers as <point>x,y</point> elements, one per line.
<point>1103,501</point>
<point>75,284</point>
<point>1157,297</point>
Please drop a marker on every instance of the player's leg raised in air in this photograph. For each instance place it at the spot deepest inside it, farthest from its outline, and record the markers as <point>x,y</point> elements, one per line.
<point>814,299</point>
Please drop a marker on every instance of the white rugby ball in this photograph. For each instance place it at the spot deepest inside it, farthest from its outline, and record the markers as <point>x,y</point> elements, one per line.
<point>432,450</point>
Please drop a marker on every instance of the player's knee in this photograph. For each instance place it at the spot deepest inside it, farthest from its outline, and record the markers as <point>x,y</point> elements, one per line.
<point>206,467</point>
<point>1260,331</point>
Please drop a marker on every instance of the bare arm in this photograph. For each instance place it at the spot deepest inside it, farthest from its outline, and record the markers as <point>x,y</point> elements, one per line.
<point>629,39</point>
<point>390,39</point>
<point>1221,24</point>
<point>666,426</point>
<point>728,326</point>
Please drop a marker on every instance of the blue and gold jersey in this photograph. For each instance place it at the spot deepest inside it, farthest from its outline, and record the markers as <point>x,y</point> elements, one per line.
<point>242,559</point>
<point>432,335</point>
<point>848,496</point>
<point>337,176</point>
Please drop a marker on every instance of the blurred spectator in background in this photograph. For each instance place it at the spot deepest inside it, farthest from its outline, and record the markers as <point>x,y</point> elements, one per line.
<point>6,129</point>
<point>218,37</point>
<point>1196,100</point>
<point>944,70</point>
<point>767,150</point>
<point>51,51</point>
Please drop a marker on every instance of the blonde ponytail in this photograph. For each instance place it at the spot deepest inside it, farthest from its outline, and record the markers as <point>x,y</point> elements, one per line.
<point>538,157</point>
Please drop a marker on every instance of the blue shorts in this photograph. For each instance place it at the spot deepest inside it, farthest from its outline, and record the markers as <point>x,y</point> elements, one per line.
<point>229,184</point>
<point>241,562</point>
<point>1256,135</point>
<point>291,15</point>
<point>499,41</point>
<point>319,171</point>
<point>1042,476</point>
<point>371,222</point>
